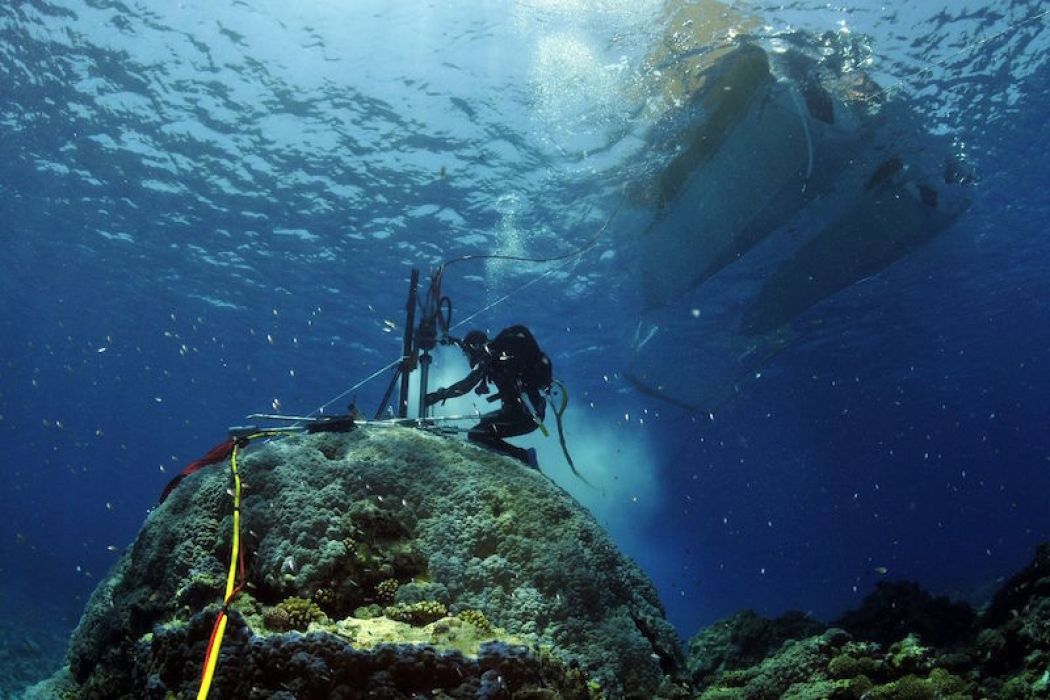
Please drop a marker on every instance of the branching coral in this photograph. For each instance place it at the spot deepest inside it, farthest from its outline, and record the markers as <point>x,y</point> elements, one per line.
<point>293,614</point>
<point>421,613</point>
<point>476,618</point>
<point>386,589</point>
<point>324,596</point>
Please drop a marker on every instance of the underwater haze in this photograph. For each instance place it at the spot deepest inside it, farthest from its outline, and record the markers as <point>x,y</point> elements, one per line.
<point>212,209</point>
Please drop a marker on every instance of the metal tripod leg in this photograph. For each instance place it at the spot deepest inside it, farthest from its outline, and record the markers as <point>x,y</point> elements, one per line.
<point>389,391</point>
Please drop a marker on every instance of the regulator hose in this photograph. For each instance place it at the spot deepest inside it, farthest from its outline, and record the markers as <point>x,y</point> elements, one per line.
<point>558,411</point>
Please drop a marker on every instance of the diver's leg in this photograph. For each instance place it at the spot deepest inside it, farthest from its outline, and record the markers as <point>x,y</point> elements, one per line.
<point>506,422</point>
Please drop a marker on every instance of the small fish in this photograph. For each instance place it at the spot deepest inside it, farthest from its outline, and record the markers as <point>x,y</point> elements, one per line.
<point>880,570</point>
<point>288,564</point>
<point>276,403</point>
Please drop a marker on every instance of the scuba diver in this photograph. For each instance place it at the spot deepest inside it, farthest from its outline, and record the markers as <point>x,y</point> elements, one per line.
<point>513,362</point>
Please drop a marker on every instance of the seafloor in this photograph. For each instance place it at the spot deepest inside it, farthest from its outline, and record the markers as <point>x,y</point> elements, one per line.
<point>388,562</point>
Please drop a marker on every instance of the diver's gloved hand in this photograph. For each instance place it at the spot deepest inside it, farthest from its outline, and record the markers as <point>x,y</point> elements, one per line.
<point>433,397</point>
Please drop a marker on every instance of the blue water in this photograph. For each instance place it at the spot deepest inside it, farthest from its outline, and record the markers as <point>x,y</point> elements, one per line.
<point>205,207</point>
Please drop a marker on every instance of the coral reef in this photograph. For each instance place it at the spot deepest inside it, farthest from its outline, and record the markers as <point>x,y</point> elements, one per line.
<point>901,643</point>
<point>32,644</point>
<point>397,564</point>
<point>833,665</point>
<point>743,640</point>
<point>897,608</point>
<point>366,541</point>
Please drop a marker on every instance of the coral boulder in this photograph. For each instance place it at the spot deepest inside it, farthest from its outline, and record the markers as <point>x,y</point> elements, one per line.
<point>385,562</point>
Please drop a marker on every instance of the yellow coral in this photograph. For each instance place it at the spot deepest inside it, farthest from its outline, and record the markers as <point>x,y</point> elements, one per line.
<point>476,618</point>
<point>293,614</point>
<point>324,596</point>
<point>421,613</point>
<point>386,589</point>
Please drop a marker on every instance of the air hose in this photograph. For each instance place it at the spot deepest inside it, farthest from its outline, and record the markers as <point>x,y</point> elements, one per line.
<point>236,577</point>
<point>234,582</point>
<point>558,411</point>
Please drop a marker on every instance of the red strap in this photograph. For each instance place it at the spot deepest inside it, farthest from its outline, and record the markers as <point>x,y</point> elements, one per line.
<point>219,453</point>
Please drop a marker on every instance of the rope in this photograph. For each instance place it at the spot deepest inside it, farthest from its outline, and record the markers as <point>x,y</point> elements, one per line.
<point>977,44</point>
<point>355,387</point>
<point>563,259</point>
<point>590,243</point>
<point>511,293</point>
<point>566,259</point>
<point>805,129</point>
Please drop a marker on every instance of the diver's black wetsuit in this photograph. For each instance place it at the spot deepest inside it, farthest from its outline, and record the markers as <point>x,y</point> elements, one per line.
<point>513,417</point>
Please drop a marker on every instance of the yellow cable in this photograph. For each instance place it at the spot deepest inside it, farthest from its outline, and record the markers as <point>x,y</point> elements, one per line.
<point>231,576</point>
<point>231,580</point>
<point>213,659</point>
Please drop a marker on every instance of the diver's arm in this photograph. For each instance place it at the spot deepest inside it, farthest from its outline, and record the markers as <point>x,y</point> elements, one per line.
<point>459,388</point>
<point>539,403</point>
<point>467,383</point>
